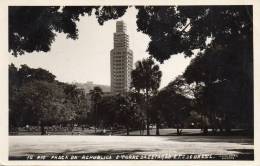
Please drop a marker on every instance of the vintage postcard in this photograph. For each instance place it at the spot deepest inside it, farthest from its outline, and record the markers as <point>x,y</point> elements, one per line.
<point>107,83</point>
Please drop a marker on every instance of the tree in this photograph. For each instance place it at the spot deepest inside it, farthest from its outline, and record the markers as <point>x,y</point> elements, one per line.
<point>171,106</point>
<point>127,114</point>
<point>96,96</point>
<point>138,99</point>
<point>228,86</point>
<point>176,87</point>
<point>107,112</point>
<point>13,75</point>
<point>18,78</point>
<point>119,110</point>
<point>35,98</point>
<point>172,29</point>
<point>27,74</point>
<point>182,29</point>
<point>14,118</point>
<point>34,28</point>
<point>82,108</point>
<point>42,103</point>
<point>146,78</point>
<point>225,48</point>
<point>156,112</point>
<point>77,98</point>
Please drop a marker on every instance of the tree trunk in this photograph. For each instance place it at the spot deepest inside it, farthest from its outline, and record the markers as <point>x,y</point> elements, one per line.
<point>127,130</point>
<point>178,131</point>
<point>214,122</point>
<point>95,107</point>
<point>201,122</point>
<point>157,128</point>
<point>178,126</point>
<point>227,124</point>
<point>204,124</point>
<point>71,128</point>
<point>147,113</point>
<point>42,129</point>
<point>148,127</point>
<point>141,127</point>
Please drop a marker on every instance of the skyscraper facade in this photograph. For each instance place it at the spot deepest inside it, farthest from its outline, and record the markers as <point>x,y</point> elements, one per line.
<point>121,60</point>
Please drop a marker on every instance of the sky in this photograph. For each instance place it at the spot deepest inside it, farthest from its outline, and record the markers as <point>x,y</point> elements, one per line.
<point>88,57</point>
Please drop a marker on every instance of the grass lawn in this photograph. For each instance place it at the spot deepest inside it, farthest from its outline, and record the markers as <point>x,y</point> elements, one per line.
<point>238,147</point>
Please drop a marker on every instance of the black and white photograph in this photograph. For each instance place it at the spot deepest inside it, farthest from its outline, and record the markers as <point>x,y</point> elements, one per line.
<point>130,82</point>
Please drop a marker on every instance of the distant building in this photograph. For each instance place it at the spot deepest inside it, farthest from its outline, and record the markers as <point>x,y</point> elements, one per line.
<point>121,60</point>
<point>90,85</point>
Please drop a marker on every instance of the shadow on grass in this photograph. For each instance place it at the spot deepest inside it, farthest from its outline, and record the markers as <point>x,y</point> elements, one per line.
<point>243,151</point>
<point>244,154</point>
<point>214,139</point>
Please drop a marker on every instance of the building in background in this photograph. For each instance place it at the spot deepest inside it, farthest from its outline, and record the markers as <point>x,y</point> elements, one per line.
<point>90,85</point>
<point>121,60</point>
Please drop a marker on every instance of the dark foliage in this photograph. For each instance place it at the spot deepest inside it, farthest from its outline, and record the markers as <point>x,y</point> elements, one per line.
<point>146,78</point>
<point>223,35</point>
<point>184,28</point>
<point>171,107</point>
<point>36,98</point>
<point>34,28</point>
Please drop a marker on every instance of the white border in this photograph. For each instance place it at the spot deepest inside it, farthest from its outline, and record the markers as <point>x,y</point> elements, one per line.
<point>4,56</point>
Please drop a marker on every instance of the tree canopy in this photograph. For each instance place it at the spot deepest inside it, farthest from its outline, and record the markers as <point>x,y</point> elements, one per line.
<point>222,71</point>
<point>223,35</point>
<point>36,98</point>
<point>172,29</point>
<point>146,76</point>
<point>34,28</point>
<point>182,29</point>
<point>170,105</point>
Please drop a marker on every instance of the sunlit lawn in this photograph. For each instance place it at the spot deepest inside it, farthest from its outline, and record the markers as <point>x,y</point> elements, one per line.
<point>137,145</point>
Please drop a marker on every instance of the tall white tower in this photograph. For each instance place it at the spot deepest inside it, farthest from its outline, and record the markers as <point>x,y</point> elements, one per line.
<point>121,60</point>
